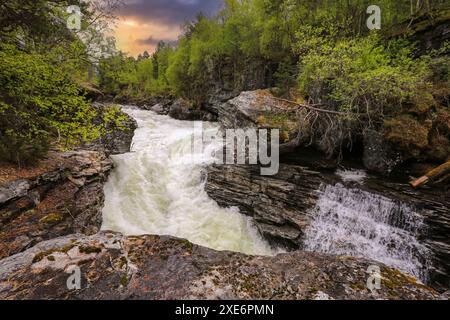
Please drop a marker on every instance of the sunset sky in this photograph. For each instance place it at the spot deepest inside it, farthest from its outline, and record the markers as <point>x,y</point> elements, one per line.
<point>143,23</point>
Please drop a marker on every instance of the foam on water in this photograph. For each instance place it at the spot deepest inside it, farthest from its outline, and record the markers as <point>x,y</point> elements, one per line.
<point>158,189</point>
<point>361,224</point>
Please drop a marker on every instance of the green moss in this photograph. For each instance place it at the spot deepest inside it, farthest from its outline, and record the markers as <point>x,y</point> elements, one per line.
<point>393,279</point>
<point>188,245</point>
<point>407,133</point>
<point>123,262</point>
<point>41,255</point>
<point>124,280</point>
<point>52,218</point>
<point>90,249</point>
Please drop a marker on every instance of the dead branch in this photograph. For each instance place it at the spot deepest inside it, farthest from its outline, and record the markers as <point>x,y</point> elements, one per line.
<point>314,107</point>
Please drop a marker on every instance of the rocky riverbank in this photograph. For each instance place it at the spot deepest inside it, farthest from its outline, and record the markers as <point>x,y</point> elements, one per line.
<point>62,195</point>
<point>153,267</point>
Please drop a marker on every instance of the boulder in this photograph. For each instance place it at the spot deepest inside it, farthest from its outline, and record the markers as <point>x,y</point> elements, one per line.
<point>253,109</point>
<point>160,108</point>
<point>378,155</point>
<point>116,140</point>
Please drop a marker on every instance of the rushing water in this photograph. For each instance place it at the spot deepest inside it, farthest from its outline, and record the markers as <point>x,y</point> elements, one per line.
<point>358,223</point>
<point>158,189</point>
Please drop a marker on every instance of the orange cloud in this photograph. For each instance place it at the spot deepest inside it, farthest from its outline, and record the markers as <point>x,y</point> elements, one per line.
<point>132,35</point>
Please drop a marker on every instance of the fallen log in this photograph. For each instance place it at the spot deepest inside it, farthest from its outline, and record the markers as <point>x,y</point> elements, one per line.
<point>433,175</point>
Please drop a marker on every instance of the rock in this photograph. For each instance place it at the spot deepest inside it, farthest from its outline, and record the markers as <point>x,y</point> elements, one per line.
<point>279,204</point>
<point>116,140</point>
<point>66,200</point>
<point>159,268</point>
<point>428,32</point>
<point>254,109</point>
<point>182,109</point>
<point>378,155</point>
<point>160,109</point>
<point>15,189</point>
<point>224,85</point>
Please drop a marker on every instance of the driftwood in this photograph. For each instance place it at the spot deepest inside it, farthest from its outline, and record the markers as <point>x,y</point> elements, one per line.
<point>436,175</point>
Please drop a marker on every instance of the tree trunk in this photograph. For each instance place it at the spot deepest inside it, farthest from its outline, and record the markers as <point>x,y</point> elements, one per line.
<point>433,176</point>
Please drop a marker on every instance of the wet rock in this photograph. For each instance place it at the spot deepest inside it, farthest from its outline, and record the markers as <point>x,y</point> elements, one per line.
<point>160,109</point>
<point>151,267</point>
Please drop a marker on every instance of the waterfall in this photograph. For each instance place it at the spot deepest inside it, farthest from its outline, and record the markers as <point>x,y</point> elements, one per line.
<point>158,189</point>
<point>361,224</point>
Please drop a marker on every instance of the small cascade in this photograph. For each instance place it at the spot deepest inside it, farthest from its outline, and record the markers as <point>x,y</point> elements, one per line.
<point>362,224</point>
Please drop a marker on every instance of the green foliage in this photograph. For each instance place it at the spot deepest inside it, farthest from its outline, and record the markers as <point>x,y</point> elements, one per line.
<point>127,78</point>
<point>363,75</point>
<point>39,102</point>
<point>112,119</point>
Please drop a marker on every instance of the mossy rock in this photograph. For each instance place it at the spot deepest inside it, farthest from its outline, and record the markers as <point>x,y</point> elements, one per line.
<point>52,218</point>
<point>41,255</point>
<point>90,249</point>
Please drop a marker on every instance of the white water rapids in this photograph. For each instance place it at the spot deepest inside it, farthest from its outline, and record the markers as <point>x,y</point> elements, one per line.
<point>158,189</point>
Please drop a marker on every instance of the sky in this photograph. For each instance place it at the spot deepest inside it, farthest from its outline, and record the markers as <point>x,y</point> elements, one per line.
<point>143,23</point>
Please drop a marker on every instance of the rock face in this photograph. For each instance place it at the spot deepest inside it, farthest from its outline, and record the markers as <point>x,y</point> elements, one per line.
<point>226,85</point>
<point>64,200</point>
<point>427,32</point>
<point>153,267</point>
<point>279,204</point>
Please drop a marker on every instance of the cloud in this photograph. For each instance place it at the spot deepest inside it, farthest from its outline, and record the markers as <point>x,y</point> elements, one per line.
<point>168,12</point>
<point>143,23</point>
<point>153,41</point>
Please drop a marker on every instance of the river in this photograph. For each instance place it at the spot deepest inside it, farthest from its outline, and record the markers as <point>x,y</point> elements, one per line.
<point>158,188</point>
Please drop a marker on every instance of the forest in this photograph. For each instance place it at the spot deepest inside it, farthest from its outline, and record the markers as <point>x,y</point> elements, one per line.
<point>309,52</point>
